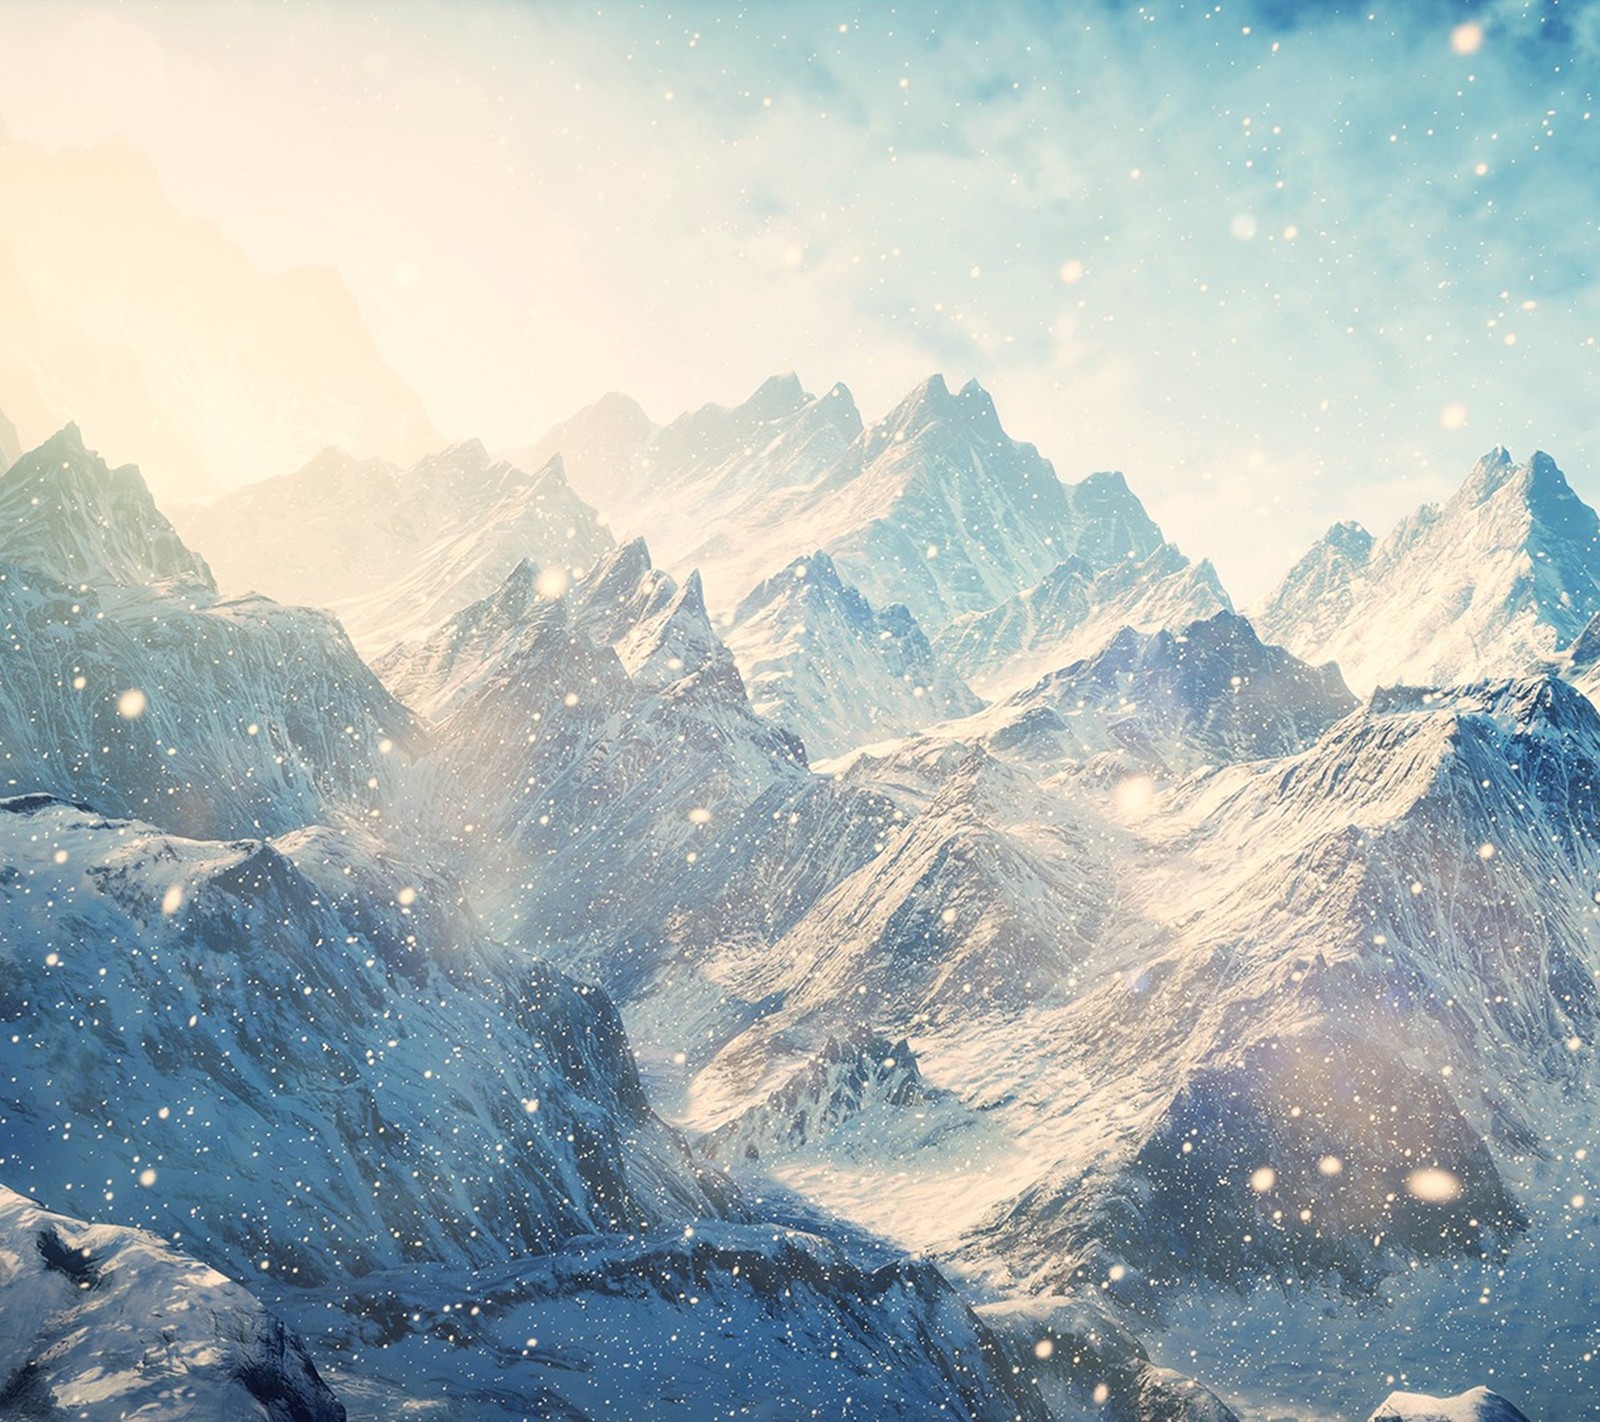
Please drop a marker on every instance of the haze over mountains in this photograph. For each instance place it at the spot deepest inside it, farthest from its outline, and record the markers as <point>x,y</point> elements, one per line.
<point>776,909</point>
<point>170,345</point>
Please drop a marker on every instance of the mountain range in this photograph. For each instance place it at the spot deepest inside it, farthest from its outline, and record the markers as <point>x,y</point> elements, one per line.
<point>776,911</point>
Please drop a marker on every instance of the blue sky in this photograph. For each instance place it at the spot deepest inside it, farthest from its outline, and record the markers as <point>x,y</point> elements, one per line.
<point>1282,263</point>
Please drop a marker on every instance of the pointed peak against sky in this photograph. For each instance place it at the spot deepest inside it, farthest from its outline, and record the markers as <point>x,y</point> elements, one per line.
<point>1536,491</point>
<point>775,397</point>
<point>1107,522</point>
<point>617,404</point>
<point>931,394</point>
<point>553,470</point>
<point>463,453</point>
<point>1490,473</point>
<point>630,559</point>
<point>616,576</point>
<point>812,571</point>
<point>837,408</point>
<point>1349,538</point>
<point>1495,581</point>
<point>931,403</point>
<point>64,512</point>
<point>978,403</point>
<point>691,596</point>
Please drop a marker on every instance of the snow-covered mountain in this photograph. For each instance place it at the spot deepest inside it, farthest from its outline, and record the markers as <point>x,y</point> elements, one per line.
<point>156,332</point>
<point>1075,609</point>
<point>298,1057</point>
<point>585,748</point>
<point>103,1323</point>
<point>817,657</point>
<point>934,506</point>
<point>1326,1002</point>
<point>65,514</point>
<point>705,487</point>
<point>599,446</point>
<point>1491,583</point>
<point>1210,693</point>
<point>1173,992</point>
<point>1478,1405</point>
<point>130,686</point>
<point>182,987</point>
<point>394,552</point>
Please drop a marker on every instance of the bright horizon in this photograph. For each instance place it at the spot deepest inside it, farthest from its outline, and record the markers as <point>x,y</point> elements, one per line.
<point>1280,270</point>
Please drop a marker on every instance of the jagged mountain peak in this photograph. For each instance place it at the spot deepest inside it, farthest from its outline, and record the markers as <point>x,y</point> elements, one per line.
<point>1349,539</point>
<point>819,658</point>
<point>554,469</point>
<point>931,402</point>
<point>469,453</point>
<point>775,397</point>
<point>65,513</point>
<point>1491,583</point>
<point>1080,604</point>
<point>615,405</point>
<point>812,572</point>
<point>1208,692</point>
<point>931,405</point>
<point>1519,706</point>
<point>703,439</point>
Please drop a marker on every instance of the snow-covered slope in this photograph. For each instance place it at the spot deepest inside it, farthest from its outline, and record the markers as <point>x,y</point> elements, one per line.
<point>1074,610</point>
<point>721,1320</point>
<point>1329,1004</point>
<point>1440,845</point>
<point>1209,693</point>
<point>65,514</point>
<point>103,1323</point>
<point>1491,583</point>
<point>1478,1405</point>
<point>395,552</point>
<point>584,748</point>
<point>136,690</point>
<point>817,657</point>
<point>267,1022</point>
<point>10,444</point>
<point>299,1057</point>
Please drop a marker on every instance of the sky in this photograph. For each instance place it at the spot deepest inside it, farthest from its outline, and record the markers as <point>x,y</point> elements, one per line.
<point>1282,263</point>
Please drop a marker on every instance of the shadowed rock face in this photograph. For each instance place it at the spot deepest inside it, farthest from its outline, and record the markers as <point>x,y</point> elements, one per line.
<point>101,1322</point>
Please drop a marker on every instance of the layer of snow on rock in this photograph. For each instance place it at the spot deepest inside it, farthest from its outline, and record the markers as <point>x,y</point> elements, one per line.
<point>1478,1405</point>
<point>102,1323</point>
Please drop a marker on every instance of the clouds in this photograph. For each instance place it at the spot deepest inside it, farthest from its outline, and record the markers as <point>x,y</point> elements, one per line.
<point>1290,259</point>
